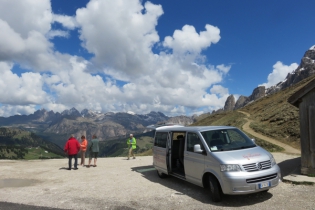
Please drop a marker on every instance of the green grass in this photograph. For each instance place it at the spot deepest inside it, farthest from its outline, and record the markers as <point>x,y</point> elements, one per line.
<point>236,119</point>
<point>231,118</point>
<point>265,144</point>
<point>39,153</point>
<point>300,183</point>
<point>272,116</point>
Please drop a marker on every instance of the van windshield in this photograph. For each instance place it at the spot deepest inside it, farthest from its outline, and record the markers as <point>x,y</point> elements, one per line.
<point>227,139</point>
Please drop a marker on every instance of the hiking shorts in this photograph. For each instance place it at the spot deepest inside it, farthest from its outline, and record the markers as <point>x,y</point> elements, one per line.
<point>93,155</point>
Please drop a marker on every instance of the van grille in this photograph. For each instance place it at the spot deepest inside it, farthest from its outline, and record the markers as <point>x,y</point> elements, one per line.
<point>257,166</point>
<point>261,179</point>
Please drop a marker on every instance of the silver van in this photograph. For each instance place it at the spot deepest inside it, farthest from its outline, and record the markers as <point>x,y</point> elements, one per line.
<point>221,158</point>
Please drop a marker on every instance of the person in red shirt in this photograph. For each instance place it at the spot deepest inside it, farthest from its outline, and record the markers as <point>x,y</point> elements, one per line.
<point>72,148</point>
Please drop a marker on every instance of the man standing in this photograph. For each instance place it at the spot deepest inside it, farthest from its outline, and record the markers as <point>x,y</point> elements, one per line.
<point>132,144</point>
<point>94,149</point>
<point>72,148</point>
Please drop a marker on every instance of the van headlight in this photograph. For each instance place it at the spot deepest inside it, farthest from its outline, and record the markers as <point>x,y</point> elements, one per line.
<point>230,167</point>
<point>273,161</point>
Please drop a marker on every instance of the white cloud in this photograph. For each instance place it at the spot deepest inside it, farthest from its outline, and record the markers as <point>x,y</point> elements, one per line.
<point>53,33</point>
<point>121,35</point>
<point>23,90</point>
<point>9,110</point>
<point>279,73</point>
<point>65,21</point>
<point>26,16</point>
<point>188,40</point>
<point>25,32</point>
<point>218,89</point>
<point>11,43</point>
<point>223,68</point>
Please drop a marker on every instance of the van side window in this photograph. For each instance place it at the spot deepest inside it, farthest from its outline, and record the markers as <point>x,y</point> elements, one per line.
<point>160,139</point>
<point>192,139</point>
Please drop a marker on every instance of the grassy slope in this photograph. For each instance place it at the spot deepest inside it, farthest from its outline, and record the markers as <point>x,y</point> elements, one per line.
<point>14,144</point>
<point>40,153</point>
<point>276,118</point>
<point>119,148</point>
<point>273,116</point>
<point>236,119</point>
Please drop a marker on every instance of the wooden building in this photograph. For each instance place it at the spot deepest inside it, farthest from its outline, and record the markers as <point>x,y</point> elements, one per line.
<point>304,99</point>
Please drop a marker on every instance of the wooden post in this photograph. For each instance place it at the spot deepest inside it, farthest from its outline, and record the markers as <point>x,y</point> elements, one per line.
<point>311,112</point>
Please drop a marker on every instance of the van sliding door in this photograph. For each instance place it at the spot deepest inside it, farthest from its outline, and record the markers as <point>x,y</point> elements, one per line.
<point>169,154</point>
<point>160,151</point>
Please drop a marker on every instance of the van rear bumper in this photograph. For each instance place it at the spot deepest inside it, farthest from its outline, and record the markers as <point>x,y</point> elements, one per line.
<point>250,182</point>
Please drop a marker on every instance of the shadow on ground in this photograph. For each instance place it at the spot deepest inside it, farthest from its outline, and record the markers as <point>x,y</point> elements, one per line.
<point>290,166</point>
<point>200,194</point>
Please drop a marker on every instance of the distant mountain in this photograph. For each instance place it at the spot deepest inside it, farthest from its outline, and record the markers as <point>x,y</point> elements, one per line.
<point>271,116</point>
<point>57,127</point>
<point>304,70</point>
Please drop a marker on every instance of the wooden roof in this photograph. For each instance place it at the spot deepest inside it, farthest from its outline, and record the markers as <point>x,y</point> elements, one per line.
<point>296,98</point>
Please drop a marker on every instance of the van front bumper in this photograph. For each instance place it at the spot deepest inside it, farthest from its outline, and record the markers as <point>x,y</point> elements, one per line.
<point>250,182</point>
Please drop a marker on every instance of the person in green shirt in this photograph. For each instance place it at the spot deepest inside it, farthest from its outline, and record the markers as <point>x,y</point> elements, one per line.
<point>132,144</point>
<point>93,149</point>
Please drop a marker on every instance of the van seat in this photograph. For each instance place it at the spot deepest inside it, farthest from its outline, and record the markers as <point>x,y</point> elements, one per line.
<point>181,148</point>
<point>216,140</point>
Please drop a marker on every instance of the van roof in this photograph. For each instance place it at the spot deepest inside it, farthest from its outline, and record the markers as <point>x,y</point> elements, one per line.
<point>192,128</point>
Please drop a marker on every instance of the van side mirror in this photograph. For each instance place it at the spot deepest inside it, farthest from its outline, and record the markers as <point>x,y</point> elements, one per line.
<point>197,149</point>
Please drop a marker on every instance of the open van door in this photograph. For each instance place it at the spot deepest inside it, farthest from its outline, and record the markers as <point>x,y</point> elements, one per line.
<point>161,152</point>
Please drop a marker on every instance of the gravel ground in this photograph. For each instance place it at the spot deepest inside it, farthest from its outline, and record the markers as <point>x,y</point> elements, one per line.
<point>117,183</point>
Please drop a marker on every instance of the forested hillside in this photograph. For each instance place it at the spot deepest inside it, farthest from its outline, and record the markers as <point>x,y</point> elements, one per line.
<point>20,144</point>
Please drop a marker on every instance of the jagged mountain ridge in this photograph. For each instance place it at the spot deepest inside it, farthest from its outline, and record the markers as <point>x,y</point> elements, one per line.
<point>57,126</point>
<point>304,70</point>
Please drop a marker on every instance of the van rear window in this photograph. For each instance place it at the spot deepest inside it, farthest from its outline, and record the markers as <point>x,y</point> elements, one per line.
<point>160,139</point>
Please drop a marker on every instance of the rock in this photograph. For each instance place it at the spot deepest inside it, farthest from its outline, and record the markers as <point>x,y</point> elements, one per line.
<point>240,102</point>
<point>229,103</point>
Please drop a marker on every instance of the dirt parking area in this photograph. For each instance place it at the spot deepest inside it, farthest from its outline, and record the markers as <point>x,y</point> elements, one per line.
<point>117,183</point>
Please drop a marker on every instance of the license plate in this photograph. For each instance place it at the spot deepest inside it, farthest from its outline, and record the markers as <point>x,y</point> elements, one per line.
<point>263,185</point>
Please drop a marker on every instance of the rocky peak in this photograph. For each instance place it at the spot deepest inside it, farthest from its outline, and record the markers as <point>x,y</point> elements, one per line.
<point>241,102</point>
<point>40,112</point>
<point>304,70</point>
<point>87,113</point>
<point>43,115</point>
<point>229,103</point>
<point>258,92</point>
<point>72,112</point>
<point>181,120</point>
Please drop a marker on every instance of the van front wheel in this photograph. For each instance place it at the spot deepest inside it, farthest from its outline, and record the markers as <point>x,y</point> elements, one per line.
<point>215,189</point>
<point>161,175</point>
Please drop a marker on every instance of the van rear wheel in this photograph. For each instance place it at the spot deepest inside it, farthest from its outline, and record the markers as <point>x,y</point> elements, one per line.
<point>215,189</point>
<point>161,174</point>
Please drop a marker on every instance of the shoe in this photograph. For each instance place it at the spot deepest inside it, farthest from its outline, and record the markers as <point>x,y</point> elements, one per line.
<point>94,166</point>
<point>75,168</point>
<point>134,157</point>
<point>69,169</point>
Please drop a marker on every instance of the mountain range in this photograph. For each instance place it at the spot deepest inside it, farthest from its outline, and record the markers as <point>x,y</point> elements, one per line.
<point>304,70</point>
<point>57,127</point>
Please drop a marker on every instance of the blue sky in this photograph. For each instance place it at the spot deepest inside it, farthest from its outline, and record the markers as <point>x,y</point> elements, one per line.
<point>178,57</point>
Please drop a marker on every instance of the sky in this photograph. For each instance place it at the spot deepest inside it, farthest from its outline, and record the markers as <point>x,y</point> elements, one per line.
<point>178,57</point>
